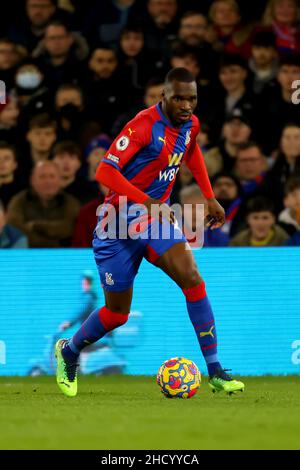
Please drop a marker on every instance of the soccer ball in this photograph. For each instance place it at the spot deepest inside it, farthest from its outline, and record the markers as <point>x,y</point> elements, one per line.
<point>179,377</point>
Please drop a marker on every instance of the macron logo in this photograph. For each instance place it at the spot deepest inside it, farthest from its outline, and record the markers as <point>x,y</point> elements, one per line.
<point>113,158</point>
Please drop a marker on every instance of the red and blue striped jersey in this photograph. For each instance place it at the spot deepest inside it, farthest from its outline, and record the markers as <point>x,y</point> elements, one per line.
<point>149,151</point>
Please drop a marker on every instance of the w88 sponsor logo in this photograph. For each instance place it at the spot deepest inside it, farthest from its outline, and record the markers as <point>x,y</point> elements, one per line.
<point>168,175</point>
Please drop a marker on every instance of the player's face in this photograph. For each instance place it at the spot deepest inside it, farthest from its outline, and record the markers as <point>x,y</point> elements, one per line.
<point>8,163</point>
<point>179,101</point>
<point>260,224</point>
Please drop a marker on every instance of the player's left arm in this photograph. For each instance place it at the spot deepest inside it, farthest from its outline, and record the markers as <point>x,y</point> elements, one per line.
<point>195,162</point>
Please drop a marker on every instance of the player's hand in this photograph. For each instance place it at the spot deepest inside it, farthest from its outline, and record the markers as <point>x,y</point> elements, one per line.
<point>216,214</point>
<point>160,208</point>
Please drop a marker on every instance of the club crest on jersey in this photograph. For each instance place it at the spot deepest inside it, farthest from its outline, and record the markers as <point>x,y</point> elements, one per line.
<point>187,137</point>
<point>122,143</point>
<point>108,279</point>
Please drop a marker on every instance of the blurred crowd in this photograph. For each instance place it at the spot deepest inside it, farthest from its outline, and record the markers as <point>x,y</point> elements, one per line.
<point>73,73</point>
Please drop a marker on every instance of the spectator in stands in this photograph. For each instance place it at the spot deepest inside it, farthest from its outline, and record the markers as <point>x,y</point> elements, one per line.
<point>287,163</point>
<point>152,95</point>
<point>228,34</point>
<point>44,213</point>
<point>10,237</point>
<point>9,114</point>
<point>94,152</point>
<point>29,81</point>
<point>60,55</point>
<point>190,196</point>
<point>236,130</point>
<point>31,27</point>
<point>263,62</point>
<point>282,17</point>
<point>10,56</point>
<point>250,167</point>
<point>289,218</point>
<point>107,97</point>
<point>106,20</point>
<point>87,221</point>
<point>41,136</point>
<point>276,107</point>
<point>193,29</point>
<point>161,25</point>
<point>68,157</point>
<point>228,192</point>
<point>263,230</point>
<point>137,65</point>
<point>10,180</point>
<point>235,94</point>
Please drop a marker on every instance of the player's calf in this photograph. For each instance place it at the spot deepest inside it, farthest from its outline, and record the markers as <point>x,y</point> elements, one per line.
<point>94,328</point>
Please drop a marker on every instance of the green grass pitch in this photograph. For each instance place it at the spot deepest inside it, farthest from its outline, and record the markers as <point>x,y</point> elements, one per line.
<point>130,413</point>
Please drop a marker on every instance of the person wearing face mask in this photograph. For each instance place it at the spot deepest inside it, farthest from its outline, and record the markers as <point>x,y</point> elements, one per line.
<point>33,95</point>
<point>69,109</point>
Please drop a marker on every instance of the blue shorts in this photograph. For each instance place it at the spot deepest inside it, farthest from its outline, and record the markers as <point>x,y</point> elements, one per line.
<point>118,260</point>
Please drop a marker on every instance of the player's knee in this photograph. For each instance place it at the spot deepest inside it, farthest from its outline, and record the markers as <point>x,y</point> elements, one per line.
<point>189,277</point>
<point>111,320</point>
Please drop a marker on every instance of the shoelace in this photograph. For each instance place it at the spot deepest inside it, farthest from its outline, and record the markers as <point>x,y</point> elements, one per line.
<point>71,370</point>
<point>221,374</point>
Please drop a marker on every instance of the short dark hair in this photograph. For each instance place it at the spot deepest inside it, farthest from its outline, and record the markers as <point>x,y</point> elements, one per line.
<point>67,146</point>
<point>60,24</point>
<point>40,121</point>
<point>182,51</point>
<point>179,74</point>
<point>260,204</point>
<point>190,13</point>
<point>132,28</point>
<point>70,86</point>
<point>289,59</point>
<point>249,145</point>
<point>227,174</point>
<point>155,81</point>
<point>233,59</point>
<point>6,146</point>
<point>291,185</point>
<point>264,39</point>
